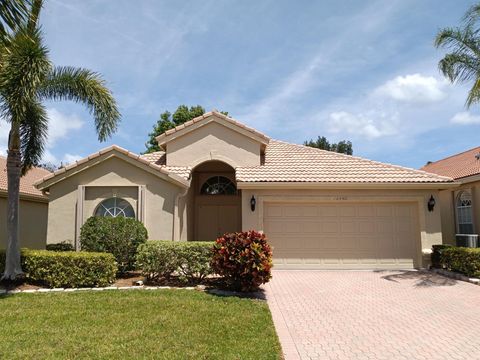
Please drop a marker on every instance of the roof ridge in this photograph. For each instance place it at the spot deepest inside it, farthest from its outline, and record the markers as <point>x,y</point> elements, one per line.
<point>451,156</point>
<point>333,153</point>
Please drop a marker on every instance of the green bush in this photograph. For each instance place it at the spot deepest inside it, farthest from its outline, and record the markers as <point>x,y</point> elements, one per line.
<point>66,269</point>
<point>120,236</point>
<point>161,259</point>
<point>436,255</point>
<point>463,260</point>
<point>63,246</point>
<point>244,259</point>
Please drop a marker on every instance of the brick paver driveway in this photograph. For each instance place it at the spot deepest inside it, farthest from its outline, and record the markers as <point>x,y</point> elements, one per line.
<point>374,315</point>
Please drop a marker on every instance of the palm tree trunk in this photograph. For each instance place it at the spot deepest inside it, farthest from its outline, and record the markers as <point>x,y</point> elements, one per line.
<point>13,266</point>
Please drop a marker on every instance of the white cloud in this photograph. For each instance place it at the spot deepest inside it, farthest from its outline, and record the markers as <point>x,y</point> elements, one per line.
<point>71,158</point>
<point>4,129</point>
<point>414,88</point>
<point>372,125</point>
<point>465,118</point>
<point>60,125</point>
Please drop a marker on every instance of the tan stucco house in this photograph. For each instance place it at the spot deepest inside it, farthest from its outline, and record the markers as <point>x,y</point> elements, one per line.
<point>33,208</point>
<point>460,207</point>
<point>320,209</point>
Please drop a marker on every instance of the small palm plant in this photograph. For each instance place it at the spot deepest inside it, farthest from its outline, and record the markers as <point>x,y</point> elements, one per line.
<point>462,63</point>
<point>27,79</point>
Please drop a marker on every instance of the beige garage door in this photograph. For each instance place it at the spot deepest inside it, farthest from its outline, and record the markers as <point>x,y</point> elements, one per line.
<point>343,236</point>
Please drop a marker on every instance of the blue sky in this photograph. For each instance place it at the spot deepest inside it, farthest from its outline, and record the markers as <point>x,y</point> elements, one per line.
<point>359,70</point>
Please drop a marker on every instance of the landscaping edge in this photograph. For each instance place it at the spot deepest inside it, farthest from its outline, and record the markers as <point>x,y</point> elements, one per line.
<point>456,276</point>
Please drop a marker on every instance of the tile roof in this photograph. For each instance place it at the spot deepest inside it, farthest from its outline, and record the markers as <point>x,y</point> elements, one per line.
<point>159,158</point>
<point>149,161</point>
<point>456,166</point>
<point>26,181</point>
<point>161,139</point>
<point>285,162</point>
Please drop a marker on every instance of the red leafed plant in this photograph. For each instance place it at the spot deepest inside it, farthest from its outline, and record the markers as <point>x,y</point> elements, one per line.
<point>244,259</point>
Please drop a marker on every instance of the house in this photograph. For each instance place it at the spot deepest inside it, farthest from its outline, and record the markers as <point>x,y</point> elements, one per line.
<point>320,209</point>
<point>33,208</point>
<point>460,207</point>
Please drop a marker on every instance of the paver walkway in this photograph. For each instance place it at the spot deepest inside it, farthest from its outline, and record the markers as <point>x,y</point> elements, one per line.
<point>374,315</point>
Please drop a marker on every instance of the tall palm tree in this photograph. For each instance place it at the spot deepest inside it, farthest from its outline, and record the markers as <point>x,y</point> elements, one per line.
<point>462,63</point>
<point>27,78</point>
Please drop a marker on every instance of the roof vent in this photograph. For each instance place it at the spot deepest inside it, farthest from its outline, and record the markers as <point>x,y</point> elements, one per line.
<point>477,156</point>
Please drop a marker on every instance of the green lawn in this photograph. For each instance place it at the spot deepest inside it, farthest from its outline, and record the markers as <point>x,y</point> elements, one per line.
<point>156,324</point>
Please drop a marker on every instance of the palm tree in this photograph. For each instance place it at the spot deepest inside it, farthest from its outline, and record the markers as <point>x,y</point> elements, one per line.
<point>462,63</point>
<point>12,14</point>
<point>27,78</point>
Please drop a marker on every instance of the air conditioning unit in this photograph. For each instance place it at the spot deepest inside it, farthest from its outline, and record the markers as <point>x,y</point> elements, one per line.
<point>467,240</point>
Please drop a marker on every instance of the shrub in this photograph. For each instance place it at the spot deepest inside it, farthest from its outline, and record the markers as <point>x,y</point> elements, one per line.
<point>244,259</point>
<point>190,260</point>
<point>66,269</point>
<point>120,236</point>
<point>63,246</point>
<point>462,260</point>
<point>436,255</point>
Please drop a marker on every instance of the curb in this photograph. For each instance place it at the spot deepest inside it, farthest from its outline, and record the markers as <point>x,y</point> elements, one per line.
<point>55,290</point>
<point>456,276</point>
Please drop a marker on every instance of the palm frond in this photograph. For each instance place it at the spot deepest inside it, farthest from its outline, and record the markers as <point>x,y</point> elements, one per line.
<point>25,66</point>
<point>84,86</point>
<point>472,15</point>
<point>459,67</point>
<point>13,13</point>
<point>33,134</point>
<point>474,94</point>
<point>34,14</point>
<point>458,40</point>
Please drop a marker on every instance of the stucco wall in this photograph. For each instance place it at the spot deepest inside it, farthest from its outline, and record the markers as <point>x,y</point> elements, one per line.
<point>429,222</point>
<point>447,204</point>
<point>111,175</point>
<point>213,142</point>
<point>33,224</point>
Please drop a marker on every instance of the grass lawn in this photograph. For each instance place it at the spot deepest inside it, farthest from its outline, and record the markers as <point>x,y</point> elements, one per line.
<point>160,324</point>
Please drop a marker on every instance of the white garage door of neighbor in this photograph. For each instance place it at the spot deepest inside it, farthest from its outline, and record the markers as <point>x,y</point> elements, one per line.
<point>343,236</point>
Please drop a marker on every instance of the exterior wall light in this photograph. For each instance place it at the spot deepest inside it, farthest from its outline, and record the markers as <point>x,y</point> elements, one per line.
<point>253,202</point>
<point>431,203</point>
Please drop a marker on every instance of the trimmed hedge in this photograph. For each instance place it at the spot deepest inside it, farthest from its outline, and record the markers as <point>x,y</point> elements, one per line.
<point>66,269</point>
<point>63,246</point>
<point>463,260</point>
<point>161,259</point>
<point>436,255</point>
<point>119,236</point>
<point>244,259</point>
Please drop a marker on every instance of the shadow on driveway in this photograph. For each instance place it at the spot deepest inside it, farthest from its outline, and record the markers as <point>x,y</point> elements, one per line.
<point>421,278</point>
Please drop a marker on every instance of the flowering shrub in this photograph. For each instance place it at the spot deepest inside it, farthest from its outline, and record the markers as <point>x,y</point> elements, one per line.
<point>244,259</point>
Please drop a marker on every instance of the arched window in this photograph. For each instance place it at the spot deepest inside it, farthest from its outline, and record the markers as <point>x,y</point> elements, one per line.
<point>218,185</point>
<point>114,207</point>
<point>464,213</point>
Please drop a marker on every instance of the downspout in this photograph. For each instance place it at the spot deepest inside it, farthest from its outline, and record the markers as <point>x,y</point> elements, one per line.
<point>176,217</point>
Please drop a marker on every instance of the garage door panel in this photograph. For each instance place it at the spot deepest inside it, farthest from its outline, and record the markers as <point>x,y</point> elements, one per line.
<point>352,236</point>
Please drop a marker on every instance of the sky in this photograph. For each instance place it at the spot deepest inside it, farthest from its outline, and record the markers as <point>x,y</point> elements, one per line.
<point>364,71</point>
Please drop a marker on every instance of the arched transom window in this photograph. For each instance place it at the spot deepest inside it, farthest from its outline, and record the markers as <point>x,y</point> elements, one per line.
<point>218,185</point>
<point>114,207</point>
<point>464,213</point>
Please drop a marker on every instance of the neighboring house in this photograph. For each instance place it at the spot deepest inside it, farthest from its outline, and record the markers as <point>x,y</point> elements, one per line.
<point>33,208</point>
<point>320,209</point>
<point>460,207</point>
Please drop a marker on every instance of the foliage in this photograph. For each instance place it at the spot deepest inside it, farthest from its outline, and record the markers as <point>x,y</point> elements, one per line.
<point>244,259</point>
<point>12,14</point>
<point>462,260</point>
<point>436,255</point>
<point>117,235</point>
<point>27,80</point>
<point>461,64</point>
<point>67,269</point>
<point>50,166</point>
<point>163,324</point>
<point>62,246</point>
<point>343,147</point>
<point>191,260</point>
<point>168,121</point>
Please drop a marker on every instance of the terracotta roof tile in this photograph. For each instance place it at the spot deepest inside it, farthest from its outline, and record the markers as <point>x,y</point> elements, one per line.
<point>286,162</point>
<point>26,181</point>
<point>457,166</point>
<point>159,158</point>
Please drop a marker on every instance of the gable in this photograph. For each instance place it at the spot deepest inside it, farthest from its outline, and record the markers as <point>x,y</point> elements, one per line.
<point>213,140</point>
